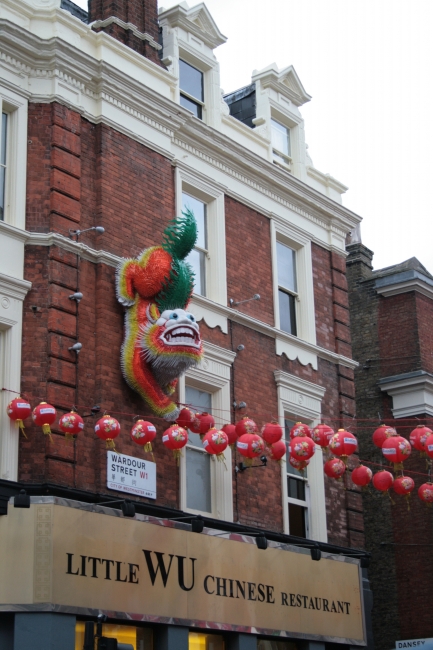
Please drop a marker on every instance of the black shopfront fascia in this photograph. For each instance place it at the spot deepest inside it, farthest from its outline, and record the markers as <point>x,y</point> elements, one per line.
<point>10,489</point>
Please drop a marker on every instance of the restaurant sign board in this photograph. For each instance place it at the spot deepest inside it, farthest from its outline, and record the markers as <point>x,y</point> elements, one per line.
<point>83,558</point>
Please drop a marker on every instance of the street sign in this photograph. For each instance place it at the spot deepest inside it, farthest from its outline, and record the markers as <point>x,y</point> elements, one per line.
<point>425,644</point>
<point>130,474</point>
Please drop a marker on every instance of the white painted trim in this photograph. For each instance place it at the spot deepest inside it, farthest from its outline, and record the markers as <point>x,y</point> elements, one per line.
<point>411,396</point>
<point>414,284</point>
<point>143,36</point>
<point>301,399</point>
<point>16,152</point>
<point>12,294</point>
<point>305,311</point>
<point>213,375</point>
<point>213,195</point>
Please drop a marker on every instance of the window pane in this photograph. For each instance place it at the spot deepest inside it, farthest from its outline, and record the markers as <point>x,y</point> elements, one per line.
<point>141,638</point>
<point>201,401</point>
<point>265,644</point>
<point>191,80</point>
<point>3,138</point>
<point>286,262</point>
<point>198,641</point>
<point>280,137</point>
<point>287,312</point>
<point>198,208</point>
<point>297,520</point>
<point>2,193</point>
<point>295,488</point>
<point>191,106</point>
<point>198,480</point>
<point>197,261</point>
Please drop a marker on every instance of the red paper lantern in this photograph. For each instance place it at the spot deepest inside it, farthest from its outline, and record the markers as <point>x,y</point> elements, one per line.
<point>230,431</point>
<point>403,485</point>
<point>175,438</point>
<point>300,465</point>
<point>428,446</point>
<point>277,450</point>
<point>362,475</point>
<point>194,426</point>
<point>71,424</point>
<point>107,428</point>
<point>215,442</point>
<point>43,415</point>
<point>272,432</point>
<point>18,410</point>
<point>383,480</point>
<point>334,468</point>
<point>382,433</point>
<point>143,433</point>
<point>425,492</point>
<point>302,448</point>
<point>396,450</point>
<point>246,425</point>
<point>418,437</point>
<point>186,418</point>
<point>207,422</point>
<point>300,429</point>
<point>343,443</point>
<point>250,445</point>
<point>321,434</point>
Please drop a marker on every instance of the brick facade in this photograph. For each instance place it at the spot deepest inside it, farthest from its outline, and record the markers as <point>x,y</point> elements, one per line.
<point>92,175</point>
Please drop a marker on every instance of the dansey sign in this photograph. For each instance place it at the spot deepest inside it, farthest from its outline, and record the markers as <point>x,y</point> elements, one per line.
<point>130,474</point>
<point>425,644</point>
<point>72,557</point>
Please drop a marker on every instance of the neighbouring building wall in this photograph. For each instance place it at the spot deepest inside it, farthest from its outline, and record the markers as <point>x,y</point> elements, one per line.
<point>388,334</point>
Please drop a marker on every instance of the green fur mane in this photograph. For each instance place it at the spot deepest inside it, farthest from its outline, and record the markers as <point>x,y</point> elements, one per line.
<point>179,239</point>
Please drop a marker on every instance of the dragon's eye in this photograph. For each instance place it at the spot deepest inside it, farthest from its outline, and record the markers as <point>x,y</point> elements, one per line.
<point>191,317</point>
<point>174,315</point>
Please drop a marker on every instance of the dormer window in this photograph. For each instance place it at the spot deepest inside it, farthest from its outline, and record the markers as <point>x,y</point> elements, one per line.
<point>280,136</point>
<point>191,88</point>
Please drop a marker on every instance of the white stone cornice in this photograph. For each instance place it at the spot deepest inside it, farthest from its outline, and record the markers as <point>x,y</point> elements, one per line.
<point>104,93</point>
<point>327,180</point>
<point>299,396</point>
<point>143,36</point>
<point>403,283</point>
<point>285,82</point>
<point>85,252</point>
<point>412,393</point>
<point>14,287</point>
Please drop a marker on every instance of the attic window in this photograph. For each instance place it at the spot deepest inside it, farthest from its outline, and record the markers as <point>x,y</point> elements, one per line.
<point>191,88</point>
<point>280,142</point>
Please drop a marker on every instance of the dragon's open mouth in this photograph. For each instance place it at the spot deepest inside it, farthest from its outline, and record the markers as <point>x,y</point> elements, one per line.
<point>181,335</point>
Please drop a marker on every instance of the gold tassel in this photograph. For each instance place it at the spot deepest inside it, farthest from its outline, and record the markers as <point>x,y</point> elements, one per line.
<point>47,431</point>
<point>69,437</point>
<point>177,453</point>
<point>221,458</point>
<point>20,425</point>
<point>148,447</point>
<point>109,443</point>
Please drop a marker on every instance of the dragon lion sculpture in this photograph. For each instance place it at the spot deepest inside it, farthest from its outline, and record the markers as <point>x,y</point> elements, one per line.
<point>162,339</point>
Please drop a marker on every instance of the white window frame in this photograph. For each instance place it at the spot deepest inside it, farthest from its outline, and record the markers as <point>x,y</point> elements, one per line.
<point>207,67</point>
<point>287,158</point>
<point>215,267</point>
<point>195,100</point>
<point>305,312</point>
<point>213,376</point>
<point>12,294</point>
<point>300,400</point>
<point>292,123</point>
<point>16,157</point>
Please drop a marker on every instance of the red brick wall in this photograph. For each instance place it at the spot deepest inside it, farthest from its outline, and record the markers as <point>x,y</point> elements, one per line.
<point>424,310</point>
<point>92,175</point>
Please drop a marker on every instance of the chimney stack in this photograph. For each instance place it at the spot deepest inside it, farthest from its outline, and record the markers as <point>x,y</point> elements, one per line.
<point>132,22</point>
